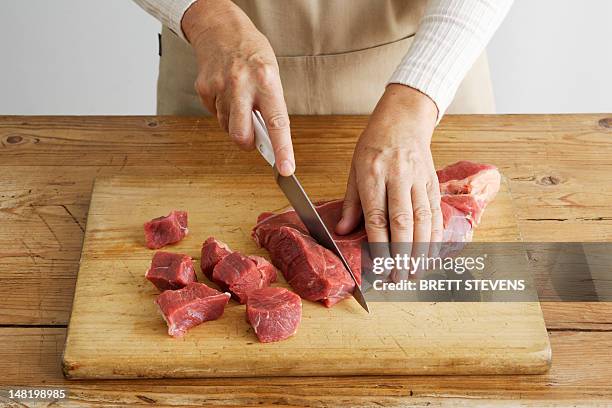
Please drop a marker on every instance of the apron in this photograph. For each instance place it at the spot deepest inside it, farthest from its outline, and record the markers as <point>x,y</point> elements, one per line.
<point>334,57</point>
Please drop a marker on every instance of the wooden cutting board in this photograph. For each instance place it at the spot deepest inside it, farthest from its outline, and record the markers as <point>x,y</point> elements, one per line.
<point>116,331</point>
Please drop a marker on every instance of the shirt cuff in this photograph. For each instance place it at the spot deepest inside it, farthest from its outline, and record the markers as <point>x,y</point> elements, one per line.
<point>170,13</point>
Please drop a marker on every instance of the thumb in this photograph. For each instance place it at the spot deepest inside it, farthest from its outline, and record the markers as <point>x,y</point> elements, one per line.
<point>351,208</point>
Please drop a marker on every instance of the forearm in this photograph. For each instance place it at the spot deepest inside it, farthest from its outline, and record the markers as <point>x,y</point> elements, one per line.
<point>451,36</point>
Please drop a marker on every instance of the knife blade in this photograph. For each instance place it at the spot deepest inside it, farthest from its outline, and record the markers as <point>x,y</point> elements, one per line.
<point>302,205</point>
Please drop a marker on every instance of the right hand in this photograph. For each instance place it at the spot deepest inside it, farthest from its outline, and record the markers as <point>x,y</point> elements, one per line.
<point>238,72</point>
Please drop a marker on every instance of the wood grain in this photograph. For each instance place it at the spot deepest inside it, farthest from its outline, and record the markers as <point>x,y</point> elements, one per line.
<point>115,330</point>
<point>32,356</point>
<point>53,161</point>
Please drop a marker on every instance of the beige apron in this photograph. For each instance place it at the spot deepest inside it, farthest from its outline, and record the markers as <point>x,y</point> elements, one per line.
<point>334,56</point>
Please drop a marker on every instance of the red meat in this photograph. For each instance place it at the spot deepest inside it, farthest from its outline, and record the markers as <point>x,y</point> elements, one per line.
<point>241,275</point>
<point>166,230</point>
<point>317,274</point>
<point>213,251</point>
<point>312,270</point>
<point>171,271</point>
<point>188,307</point>
<point>274,313</point>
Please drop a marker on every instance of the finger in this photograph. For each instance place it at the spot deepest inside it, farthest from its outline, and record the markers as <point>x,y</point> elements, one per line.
<point>222,113</point>
<point>351,207</point>
<point>422,222</point>
<point>401,222</point>
<point>274,112</point>
<point>373,195</point>
<point>437,219</point>
<point>240,125</point>
<point>206,97</point>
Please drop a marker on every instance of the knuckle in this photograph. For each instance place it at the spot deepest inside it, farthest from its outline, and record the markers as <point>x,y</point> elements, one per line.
<point>437,232</point>
<point>436,210</point>
<point>422,214</point>
<point>236,75</point>
<point>278,121</point>
<point>239,136</point>
<point>376,218</point>
<point>401,222</point>
<point>201,87</point>
<point>265,72</point>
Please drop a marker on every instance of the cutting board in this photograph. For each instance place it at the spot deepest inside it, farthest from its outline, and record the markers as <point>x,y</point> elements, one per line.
<point>116,331</point>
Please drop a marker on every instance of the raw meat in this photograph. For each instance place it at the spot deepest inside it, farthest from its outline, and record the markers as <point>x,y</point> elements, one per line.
<point>274,313</point>
<point>213,251</point>
<point>317,274</point>
<point>170,271</point>
<point>240,274</point>
<point>314,272</point>
<point>187,307</point>
<point>166,230</point>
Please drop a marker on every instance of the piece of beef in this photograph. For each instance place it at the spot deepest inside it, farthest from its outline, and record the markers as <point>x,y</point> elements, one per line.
<point>241,274</point>
<point>469,187</point>
<point>213,251</point>
<point>466,189</point>
<point>170,271</point>
<point>188,307</point>
<point>162,231</point>
<point>313,271</point>
<point>274,313</point>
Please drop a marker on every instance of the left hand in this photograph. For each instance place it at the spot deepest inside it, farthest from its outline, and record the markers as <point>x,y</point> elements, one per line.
<point>393,182</point>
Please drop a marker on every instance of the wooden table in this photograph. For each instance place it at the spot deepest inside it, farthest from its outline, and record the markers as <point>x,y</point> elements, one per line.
<point>559,169</point>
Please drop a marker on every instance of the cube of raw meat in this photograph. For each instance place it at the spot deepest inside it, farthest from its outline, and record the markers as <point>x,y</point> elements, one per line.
<point>171,271</point>
<point>241,275</point>
<point>188,307</point>
<point>162,231</point>
<point>274,313</point>
<point>213,251</point>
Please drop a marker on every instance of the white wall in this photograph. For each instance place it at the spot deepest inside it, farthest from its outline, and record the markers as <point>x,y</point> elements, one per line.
<point>553,56</point>
<point>60,57</point>
<point>100,57</point>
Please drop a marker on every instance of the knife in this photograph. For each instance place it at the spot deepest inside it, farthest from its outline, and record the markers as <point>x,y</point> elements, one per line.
<point>301,203</point>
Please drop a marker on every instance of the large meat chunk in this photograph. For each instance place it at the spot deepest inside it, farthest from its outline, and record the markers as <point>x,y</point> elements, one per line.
<point>313,271</point>
<point>241,274</point>
<point>162,231</point>
<point>188,307</point>
<point>213,251</point>
<point>317,274</point>
<point>170,271</point>
<point>274,313</point>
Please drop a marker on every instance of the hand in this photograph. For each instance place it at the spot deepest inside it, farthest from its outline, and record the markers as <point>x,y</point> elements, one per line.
<point>393,182</point>
<point>238,72</point>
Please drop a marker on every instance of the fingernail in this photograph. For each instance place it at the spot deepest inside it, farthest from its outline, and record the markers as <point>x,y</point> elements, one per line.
<point>286,168</point>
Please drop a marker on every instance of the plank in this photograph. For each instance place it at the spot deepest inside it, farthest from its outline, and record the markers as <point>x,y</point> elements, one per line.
<point>115,330</point>
<point>121,141</point>
<point>579,374</point>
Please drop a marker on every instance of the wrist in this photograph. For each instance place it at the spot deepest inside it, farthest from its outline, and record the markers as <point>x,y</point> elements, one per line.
<point>413,102</point>
<point>205,15</point>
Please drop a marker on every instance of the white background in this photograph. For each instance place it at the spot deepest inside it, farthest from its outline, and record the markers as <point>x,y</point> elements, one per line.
<point>100,57</point>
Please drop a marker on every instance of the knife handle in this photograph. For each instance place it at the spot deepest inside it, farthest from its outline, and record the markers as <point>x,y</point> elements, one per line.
<point>262,138</point>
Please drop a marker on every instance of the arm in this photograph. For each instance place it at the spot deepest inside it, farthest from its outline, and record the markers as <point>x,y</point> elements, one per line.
<point>237,70</point>
<point>451,35</point>
<point>169,13</point>
<point>393,183</point>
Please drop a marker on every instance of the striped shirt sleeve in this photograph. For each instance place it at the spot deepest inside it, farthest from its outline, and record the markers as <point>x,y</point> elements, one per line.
<point>451,36</point>
<point>169,12</point>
